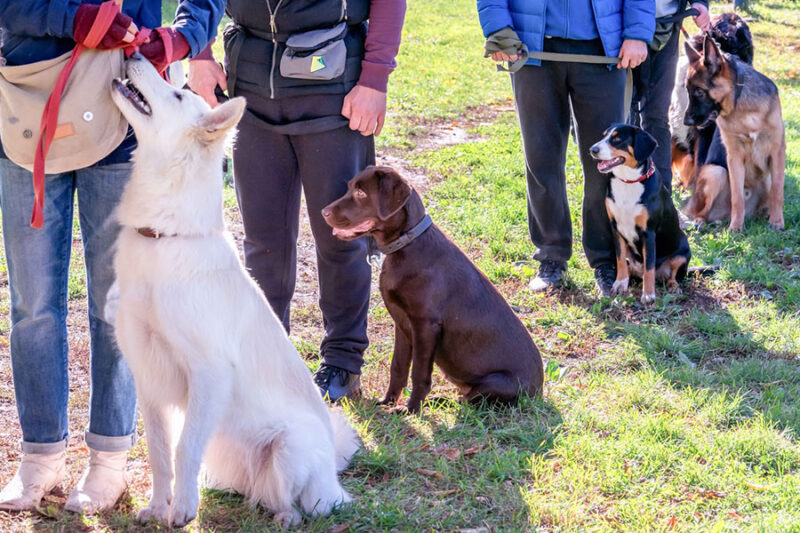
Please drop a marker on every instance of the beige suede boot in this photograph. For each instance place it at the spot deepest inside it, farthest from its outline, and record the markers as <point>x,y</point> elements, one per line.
<point>38,474</point>
<point>101,485</point>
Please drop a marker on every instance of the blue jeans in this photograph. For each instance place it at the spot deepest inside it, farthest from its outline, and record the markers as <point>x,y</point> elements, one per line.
<point>38,269</point>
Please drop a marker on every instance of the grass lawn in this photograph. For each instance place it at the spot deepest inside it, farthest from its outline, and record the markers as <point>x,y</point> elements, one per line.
<point>680,417</point>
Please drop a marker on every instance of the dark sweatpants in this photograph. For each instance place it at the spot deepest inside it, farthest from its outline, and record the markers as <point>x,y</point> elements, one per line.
<point>543,95</point>
<point>270,167</point>
<point>653,82</point>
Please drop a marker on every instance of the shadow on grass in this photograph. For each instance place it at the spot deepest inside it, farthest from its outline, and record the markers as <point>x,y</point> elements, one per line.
<point>694,341</point>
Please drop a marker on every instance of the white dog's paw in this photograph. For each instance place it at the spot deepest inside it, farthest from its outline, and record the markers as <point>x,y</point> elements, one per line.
<point>648,298</point>
<point>154,512</point>
<point>184,508</point>
<point>620,286</point>
<point>287,519</point>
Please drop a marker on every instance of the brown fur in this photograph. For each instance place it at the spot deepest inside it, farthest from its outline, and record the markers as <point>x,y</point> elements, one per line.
<point>445,310</point>
<point>752,132</point>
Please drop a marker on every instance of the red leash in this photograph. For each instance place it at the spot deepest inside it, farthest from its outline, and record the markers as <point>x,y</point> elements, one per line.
<point>105,17</point>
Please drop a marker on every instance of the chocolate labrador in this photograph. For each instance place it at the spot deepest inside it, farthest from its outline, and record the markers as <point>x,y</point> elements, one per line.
<point>444,309</point>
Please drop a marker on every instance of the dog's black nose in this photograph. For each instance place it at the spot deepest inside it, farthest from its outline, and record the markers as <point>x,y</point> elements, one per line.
<point>326,212</point>
<point>688,120</point>
<point>594,150</point>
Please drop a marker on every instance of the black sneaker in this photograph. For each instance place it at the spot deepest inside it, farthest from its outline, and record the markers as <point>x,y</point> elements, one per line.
<point>605,276</point>
<point>335,383</point>
<point>551,274</point>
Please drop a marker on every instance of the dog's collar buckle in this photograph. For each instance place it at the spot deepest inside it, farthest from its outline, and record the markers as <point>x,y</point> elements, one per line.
<point>151,233</point>
<point>406,238</point>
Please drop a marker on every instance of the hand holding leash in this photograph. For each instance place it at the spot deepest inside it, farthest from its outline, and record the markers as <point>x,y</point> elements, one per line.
<point>632,53</point>
<point>165,46</point>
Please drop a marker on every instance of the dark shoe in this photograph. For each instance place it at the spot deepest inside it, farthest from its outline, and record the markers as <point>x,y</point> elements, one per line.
<point>335,383</point>
<point>605,276</point>
<point>551,274</point>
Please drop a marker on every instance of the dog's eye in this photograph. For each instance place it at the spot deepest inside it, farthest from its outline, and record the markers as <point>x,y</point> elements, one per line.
<point>179,96</point>
<point>360,194</point>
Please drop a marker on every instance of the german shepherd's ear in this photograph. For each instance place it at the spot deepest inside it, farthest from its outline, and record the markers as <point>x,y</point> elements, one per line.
<point>691,53</point>
<point>644,145</point>
<point>712,57</point>
<point>216,123</point>
<point>393,191</point>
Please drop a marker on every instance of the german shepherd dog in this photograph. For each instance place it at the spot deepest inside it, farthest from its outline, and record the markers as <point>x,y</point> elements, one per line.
<point>693,147</point>
<point>699,158</point>
<point>747,110</point>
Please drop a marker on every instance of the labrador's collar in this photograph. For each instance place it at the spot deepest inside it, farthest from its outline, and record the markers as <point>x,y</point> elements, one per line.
<point>408,237</point>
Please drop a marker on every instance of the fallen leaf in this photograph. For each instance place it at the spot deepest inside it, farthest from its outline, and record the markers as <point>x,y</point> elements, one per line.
<point>431,473</point>
<point>756,486</point>
<point>472,450</point>
<point>735,515</point>
<point>341,528</point>
<point>711,494</point>
<point>452,453</point>
<point>672,522</point>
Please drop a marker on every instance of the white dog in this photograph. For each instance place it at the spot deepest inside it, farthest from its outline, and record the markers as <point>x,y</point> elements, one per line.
<point>199,334</point>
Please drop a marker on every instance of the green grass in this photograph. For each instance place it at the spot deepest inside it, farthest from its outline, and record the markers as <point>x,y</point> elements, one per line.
<point>681,417</point>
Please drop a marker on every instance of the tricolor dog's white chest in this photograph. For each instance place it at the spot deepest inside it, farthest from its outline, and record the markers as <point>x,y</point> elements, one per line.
<point>625,207</point>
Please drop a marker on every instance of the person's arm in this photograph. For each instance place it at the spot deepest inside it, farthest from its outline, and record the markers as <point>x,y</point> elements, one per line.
<point>494,16</point>
<point>197,21</point>
<point>39,18</point>
<point>365,104</point>
<point>638,20</point>
<point>195,25</point>
<point>382,42</point>
<point>638,26</point>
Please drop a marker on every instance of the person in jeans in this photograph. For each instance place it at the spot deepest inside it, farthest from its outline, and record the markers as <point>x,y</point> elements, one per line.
<point>313,135</point>
<point>38,261</point>
<point>654,79</point>
<point>546,91</point>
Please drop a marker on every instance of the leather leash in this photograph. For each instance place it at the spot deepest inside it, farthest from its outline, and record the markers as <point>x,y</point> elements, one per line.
<point>105,17</point>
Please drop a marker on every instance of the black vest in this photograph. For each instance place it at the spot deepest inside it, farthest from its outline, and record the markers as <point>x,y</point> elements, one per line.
<point>254,42</point>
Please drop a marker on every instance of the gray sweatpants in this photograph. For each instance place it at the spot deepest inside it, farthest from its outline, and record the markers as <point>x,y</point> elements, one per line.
<point>543,96</point>
<point>270,169</point>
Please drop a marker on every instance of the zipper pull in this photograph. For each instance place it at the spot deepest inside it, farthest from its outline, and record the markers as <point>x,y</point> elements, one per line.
<point>272,27</point>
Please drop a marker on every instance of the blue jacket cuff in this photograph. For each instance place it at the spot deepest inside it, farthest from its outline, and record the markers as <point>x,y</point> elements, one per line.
<point>61,17</point>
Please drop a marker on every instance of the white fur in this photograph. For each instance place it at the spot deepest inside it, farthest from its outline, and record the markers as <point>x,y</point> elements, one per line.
<point>680,102</point>
<point>200,336</point>
<point>625,206</point>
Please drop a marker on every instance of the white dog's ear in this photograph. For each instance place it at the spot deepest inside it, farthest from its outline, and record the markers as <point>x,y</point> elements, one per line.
<point>218,121</point>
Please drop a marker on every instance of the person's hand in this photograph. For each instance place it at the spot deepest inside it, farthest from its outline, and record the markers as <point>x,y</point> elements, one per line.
<point>121,31</point>
<point>204,76</point>
<point>502,56</point>
<point>632,53</point>
<point>703,20</point>
<point>155,49</point>
<point>366,109</point>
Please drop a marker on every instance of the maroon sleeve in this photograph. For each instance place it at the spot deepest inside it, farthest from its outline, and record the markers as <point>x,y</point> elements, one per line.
<point>382,43</point>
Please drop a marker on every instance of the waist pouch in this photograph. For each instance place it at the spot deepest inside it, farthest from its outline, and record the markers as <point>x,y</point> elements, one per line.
<point>89,127</point>
<point>253,63</point>
<point>315,55</point>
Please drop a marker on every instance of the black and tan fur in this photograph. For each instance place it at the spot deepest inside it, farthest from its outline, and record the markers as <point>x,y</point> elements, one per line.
<point>649,241</point>
<point>747,110</point>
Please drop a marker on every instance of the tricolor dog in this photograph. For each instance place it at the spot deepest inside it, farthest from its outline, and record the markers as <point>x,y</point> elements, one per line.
<point>650,243</point>
<point>198,333</point>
